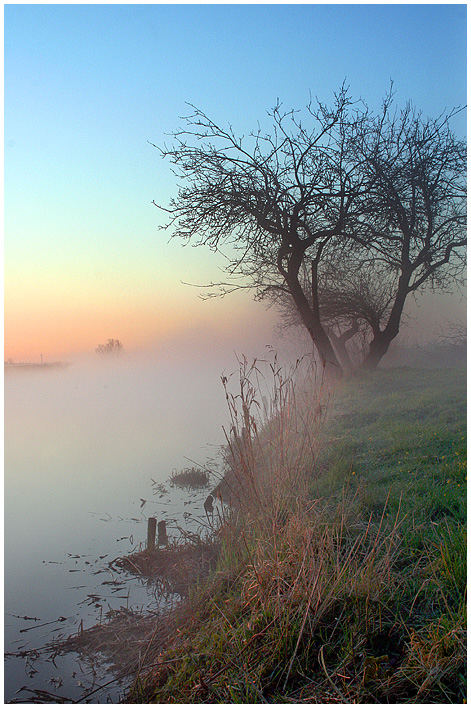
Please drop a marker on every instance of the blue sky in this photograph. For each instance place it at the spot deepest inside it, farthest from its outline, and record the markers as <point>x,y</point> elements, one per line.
<point>87,86</point>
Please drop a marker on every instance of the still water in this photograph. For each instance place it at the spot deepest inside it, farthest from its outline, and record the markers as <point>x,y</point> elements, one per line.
<point>85,448</point>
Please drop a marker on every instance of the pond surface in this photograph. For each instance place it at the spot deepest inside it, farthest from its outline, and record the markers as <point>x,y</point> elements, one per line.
<point>86,449</point>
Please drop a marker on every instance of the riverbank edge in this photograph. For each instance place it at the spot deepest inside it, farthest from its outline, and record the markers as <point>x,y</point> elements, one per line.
<point>400,632</point>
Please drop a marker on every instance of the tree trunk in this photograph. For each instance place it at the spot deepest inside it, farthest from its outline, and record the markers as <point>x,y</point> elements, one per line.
<point>339,342</point>
<point>310,314</point>
<point>379,345</point>
<point>319,337</point>
<point>341,352</point>
<point>381,341</point>
<point>330,362</point>
<point>343,356</point>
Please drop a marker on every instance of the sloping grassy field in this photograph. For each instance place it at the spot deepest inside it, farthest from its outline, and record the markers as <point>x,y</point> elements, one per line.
<point>355,589</point>
<point>401,434</point>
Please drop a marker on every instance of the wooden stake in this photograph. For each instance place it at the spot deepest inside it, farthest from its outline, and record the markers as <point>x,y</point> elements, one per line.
<point>162,533</point>
<point>151,525</point>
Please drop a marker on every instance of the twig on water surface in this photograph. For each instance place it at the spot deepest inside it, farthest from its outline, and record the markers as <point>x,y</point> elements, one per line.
<point>36,626</point>
<point>24,617</point>
<point>41,693</point>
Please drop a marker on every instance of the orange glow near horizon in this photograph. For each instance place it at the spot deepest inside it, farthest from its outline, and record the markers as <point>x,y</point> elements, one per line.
<point>56,327</point>
<point>60,301</point>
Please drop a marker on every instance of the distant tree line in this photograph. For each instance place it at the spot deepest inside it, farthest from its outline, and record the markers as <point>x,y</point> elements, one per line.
<point>337,214</point>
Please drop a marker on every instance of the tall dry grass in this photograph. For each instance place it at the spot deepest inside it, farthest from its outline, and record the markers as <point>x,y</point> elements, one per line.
<point>311,600</point>
<point>273,435</point>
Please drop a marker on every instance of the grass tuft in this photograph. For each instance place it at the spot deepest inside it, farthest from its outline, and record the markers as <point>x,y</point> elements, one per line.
<point>190,478</point>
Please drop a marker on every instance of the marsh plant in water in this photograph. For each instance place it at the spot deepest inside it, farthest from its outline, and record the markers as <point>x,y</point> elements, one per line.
<point>191,477</point>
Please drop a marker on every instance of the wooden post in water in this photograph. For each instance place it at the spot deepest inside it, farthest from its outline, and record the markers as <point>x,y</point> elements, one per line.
<point>162,539</point>
<point>151,524</point>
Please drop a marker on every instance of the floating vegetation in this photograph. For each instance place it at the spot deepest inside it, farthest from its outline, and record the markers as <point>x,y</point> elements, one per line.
<point>190,477</point>
<point>128,641</point>
<point>159,488</point>
<point>44,624</point>
<point>121,642</point>
<point>177,566</point>
<point>121,639</point>
<point>124,642</point>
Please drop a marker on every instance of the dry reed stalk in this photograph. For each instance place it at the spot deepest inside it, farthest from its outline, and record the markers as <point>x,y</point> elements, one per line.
<point>271,449</point>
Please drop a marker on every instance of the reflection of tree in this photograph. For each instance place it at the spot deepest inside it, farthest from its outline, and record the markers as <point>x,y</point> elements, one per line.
<point>112,346</point>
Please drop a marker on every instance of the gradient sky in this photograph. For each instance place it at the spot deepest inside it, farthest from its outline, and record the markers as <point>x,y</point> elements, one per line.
<point>86,88</point>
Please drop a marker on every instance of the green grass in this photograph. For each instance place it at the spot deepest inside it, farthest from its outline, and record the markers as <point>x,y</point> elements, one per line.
<point>400,433</point>
<point>356,592</point>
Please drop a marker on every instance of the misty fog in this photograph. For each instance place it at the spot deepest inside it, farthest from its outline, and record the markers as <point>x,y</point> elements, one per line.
<point>86,444</point>
<point>83,446</point>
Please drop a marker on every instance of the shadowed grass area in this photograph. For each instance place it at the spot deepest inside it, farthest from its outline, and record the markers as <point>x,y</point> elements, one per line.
<point>344,581</point>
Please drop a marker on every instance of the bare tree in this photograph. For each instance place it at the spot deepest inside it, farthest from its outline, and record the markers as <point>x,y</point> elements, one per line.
<point>275,199</point>
<point>338,185</point>
<point>415,216</point>
<point>112,346</point>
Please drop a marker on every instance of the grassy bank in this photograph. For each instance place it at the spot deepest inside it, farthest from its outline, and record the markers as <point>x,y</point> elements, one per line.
<point>342,578</point>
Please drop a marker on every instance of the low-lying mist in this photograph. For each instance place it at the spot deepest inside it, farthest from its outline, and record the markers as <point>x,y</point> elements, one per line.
<point>86,446</point>
<point>132,412</point>
<point>94,433</point>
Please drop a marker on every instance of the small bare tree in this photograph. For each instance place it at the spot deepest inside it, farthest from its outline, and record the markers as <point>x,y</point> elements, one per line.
<point>112,346</point>
<point>353,300</point>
